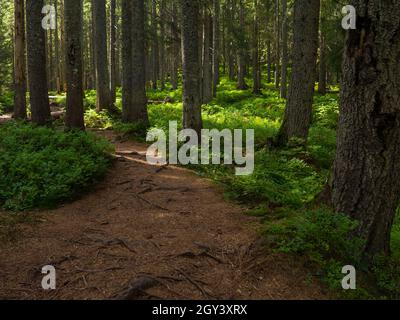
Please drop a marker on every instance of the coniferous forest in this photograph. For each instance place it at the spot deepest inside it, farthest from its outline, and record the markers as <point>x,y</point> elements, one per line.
<point>199,149</point>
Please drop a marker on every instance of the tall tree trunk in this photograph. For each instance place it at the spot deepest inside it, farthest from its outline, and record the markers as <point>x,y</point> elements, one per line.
<point>155,48</point>
<point>73,57</point>
<point>241,85</point>
<point>36,49</point>
<point>298,113</point>
<point>269,62</point>
<point>366,175</point>
<point>191,67</point>
<point>322,66</point>
<point>284,49</point>
<point>256,53</point>
<point>207,57</point>
<point>127,61</point>
<point>216,45</point>
<point>163,65</point>
<point>19,60</point>
<point>277,46</point>
<point>113,46</point>
<point>103,100</point>
<point>139,101</point>
<point>175,47</point>
<point>57,49</point>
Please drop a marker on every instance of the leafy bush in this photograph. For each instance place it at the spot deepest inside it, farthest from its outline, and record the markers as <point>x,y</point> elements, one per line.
<point>40,167</point>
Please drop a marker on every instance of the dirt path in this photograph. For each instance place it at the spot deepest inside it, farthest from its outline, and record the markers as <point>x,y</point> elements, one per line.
<point>165,229</point>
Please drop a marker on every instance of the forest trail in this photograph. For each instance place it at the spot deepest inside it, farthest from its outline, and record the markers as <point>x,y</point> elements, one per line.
<point>163,232</point>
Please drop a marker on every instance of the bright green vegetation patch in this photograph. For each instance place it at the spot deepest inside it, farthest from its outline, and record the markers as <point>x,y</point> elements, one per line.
<point>41,167</point>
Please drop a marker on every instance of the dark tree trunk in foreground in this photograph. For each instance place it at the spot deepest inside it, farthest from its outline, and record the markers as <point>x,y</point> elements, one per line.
<point>74,69</point>
<point>36,48</point>
<point>138,112</point>
<point>19,60</point>
<point>103,91</point>
<point>366,175</point>
<point>298,113</point>
<point>216,45</point>
<point>191,66</point>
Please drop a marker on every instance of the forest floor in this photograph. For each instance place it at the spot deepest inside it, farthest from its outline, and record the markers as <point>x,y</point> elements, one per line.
<point>149,232</point>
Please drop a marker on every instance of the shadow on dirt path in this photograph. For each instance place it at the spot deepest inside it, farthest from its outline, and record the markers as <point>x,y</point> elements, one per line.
<point>149,232</point>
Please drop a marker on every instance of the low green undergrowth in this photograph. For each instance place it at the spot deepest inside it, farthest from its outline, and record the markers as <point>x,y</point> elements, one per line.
<point>6,102</point>
<point>41,167</point>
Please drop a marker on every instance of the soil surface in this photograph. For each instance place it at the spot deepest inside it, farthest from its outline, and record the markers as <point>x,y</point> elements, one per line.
<point>149,232</point>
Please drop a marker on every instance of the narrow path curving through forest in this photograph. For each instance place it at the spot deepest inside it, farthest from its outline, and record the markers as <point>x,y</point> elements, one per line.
<point>149,232</point>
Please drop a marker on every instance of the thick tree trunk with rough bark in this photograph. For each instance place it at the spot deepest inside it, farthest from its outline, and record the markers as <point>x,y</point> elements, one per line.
<point>366,176</point>
<point>103,91</point>
<point>36,49</point>
<point>74,64</point>
<point>191,66</point>
<point>298,113</point>
<point>19,60</point>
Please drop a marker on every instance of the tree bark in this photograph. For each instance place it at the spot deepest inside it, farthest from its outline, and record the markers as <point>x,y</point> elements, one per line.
<point>36,49</point>
<point>191,66</point>
<point>113,47</point>
<point>175,47</point>
<point>207,57</point>
<point>322,66</point>
<point>298,113</point>
<point>256,53</point>
<point>139,101</point>
<point>19,61</point>
<point>241,84</point>
<point>366,175</point>
<point>277,45</point>
<point>216,45</point>
<point>284,50</point>
<point>155,48</point>
<point>73,57</point>
<point>103,91</point>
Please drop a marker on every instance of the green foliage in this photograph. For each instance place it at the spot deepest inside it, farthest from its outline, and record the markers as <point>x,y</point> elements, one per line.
<point>101,120</point>
<point>323,237</point>
<point>6,102</point>
<point>42,167</point>
<point>278,179</point>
